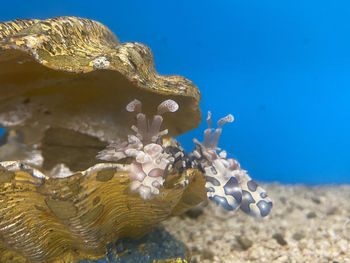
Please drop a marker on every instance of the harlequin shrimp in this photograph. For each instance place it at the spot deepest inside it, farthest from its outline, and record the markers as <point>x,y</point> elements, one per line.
<point>227,184</point>
<point>148,171</point>
<point>154,157</point>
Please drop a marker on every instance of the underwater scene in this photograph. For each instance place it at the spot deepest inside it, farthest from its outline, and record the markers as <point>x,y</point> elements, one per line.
<point>175,131</point>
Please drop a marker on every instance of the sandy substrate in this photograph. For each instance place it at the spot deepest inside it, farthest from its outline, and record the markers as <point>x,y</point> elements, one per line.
<point>307,224</point>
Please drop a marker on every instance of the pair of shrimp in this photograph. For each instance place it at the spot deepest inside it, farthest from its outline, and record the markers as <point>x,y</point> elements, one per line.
<point>227,184</point>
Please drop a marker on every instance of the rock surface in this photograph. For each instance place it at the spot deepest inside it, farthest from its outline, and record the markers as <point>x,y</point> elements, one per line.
<point>156,246</point>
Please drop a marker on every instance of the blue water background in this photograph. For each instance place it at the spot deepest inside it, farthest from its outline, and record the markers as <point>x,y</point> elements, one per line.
<point>282,68</point>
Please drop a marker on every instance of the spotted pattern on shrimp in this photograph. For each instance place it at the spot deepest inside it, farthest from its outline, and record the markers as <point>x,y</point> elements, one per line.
<point>227,184</point>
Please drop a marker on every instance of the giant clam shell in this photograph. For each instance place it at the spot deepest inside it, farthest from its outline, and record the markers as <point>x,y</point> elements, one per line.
<point>64,83</point>
<point>65,219</point>
<point>68,74</point>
